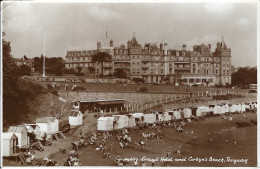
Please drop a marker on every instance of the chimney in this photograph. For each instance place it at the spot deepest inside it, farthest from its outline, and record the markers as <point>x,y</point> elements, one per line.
<point>165,48</point>
<point>128,44</point>
<point>161,47</point>
<point>98,46</point>
<point>111,43</point>
<point>209,47</point>
<point>184,47</point>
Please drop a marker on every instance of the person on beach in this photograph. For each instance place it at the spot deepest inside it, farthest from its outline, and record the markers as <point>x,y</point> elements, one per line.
<point>143,164</point>
<point>153,162</point>
<point>136,163</point>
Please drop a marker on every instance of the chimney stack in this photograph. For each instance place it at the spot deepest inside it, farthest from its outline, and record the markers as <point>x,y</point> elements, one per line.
<point>111,43</point>
<point>98,46</point>
<point>165,48</point>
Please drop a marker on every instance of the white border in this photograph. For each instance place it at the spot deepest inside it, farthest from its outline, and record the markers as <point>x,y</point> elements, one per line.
<point>145,1</point>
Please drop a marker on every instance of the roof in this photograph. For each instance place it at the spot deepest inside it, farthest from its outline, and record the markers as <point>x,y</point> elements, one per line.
<point>45,119</point>
<point>97,101</point>
<point>117,117</point>
<point>74,113</point>
<point>7,136</point>
<point>32,125</point>
<point>16,129</point>
<point>111,102</point>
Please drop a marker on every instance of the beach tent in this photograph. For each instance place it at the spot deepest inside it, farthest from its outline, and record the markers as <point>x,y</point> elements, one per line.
<point>150,118</point>
<point>248,106</point>
<point>181,110</point>
<point>176,114</point>
<point>49,125</point>
<point>199,112</point>
<point>220,109</point>
<point>21,133</point>
<point>254,105</point>
<point>160,116</point>
<point>35,129</point>
<point>75,118</point>
<point>239,108</point>
<point>243,107</point>
<point>166,116</point>
<point>121,121</point>
<point>213,109</point>
<point>9,144</point>
<point>131,120</point>
<point>225,107</point>
<point>194,111</point>
<point>139,118</point>
<point>187,113</point>
<point>204,110</point>
<point>105,124</point>
<point>232,108</point>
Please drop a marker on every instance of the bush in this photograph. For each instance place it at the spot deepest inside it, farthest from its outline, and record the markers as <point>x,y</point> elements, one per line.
<point>138,80</point>
<point>49,86</point>
<point>143,89</point>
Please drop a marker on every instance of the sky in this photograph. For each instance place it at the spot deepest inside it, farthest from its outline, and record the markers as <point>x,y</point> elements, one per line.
<point>79,26</point>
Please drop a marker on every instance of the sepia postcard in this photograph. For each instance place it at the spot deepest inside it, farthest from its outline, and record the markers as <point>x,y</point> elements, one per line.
<point>151,84</point>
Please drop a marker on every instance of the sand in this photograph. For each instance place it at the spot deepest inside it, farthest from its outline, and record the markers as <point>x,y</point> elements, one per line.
<point>244,148</point>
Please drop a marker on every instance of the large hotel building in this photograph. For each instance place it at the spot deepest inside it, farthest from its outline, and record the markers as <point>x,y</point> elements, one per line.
<point>155,64</point>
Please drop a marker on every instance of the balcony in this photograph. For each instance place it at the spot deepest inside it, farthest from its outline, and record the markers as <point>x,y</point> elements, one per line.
<point>107,66</point>
<point>121,67</point>
<point>145,67</point>
<point>121,60</point>
<point>181,68</point>
<point>145,61</point>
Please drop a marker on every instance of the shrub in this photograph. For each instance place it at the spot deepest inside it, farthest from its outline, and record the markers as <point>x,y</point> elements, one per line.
<point>143,89</point>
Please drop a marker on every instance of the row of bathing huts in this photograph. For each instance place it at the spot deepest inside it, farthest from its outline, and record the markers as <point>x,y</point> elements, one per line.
<point>21,137</point>
<point>117,122</point>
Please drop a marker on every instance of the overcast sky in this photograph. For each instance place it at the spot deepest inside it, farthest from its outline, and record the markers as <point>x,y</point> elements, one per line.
<point>71,26</point>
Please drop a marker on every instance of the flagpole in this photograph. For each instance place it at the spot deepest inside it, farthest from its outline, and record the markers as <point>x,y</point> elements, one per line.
<point>43,74</point>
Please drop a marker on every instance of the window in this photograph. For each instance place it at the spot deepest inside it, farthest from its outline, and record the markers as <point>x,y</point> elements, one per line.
<point>161,70</point>
<point>151,71</point>
<point>216,71</point>
<point>193,65</point>
<point>193,70</point>
<point>137,57</point>
<point>133,70</point>
<point>224,72</point>
<point>204,71</point>
<point>191,80</point>
<point>207,71</point>
<point>198,71</point>
<point>227,72</point>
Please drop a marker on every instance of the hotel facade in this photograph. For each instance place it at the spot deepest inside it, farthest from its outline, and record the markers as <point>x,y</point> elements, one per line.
<point>157,64</point>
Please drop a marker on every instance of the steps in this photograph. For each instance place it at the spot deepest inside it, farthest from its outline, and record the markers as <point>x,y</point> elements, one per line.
<point>22,158</point>
<point>63,136</point>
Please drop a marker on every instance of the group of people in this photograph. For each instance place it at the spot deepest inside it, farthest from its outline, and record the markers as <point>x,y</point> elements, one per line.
<point>73,159</point>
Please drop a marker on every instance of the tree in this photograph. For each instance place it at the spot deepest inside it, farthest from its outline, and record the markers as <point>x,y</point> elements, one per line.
<point>24,70</point>
<point>54,65</point>
<point>79,68</point>
<point>101,57</point>
<point>16,91</point>
<point>119,73</point>
<point>244,77</point>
